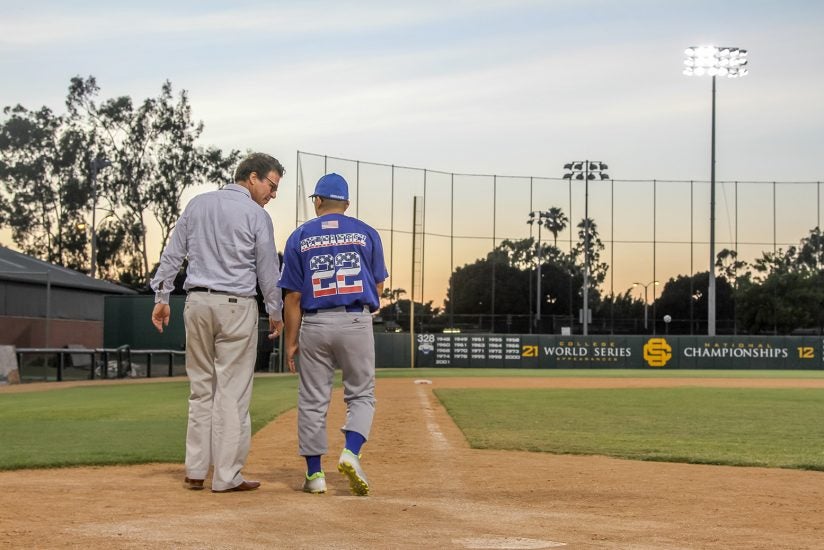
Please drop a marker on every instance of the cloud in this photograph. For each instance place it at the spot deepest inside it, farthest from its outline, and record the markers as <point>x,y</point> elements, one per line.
<point>280,20</point>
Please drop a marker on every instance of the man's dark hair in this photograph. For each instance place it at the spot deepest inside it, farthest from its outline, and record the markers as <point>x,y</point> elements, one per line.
<point>259,163</point>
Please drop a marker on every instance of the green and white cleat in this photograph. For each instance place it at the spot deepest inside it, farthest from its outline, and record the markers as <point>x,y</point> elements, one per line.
<point>315,484</point>
<point>349,465</point>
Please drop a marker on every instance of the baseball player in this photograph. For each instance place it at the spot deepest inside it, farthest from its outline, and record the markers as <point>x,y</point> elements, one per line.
<point>333,273</point>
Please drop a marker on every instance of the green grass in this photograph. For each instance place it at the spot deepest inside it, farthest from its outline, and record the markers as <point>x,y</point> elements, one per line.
<point>742,427</point>
<point>595,373</point>
<point>113,424</point>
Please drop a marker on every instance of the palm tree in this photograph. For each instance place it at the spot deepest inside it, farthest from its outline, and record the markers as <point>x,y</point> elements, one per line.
<point>556,221</point>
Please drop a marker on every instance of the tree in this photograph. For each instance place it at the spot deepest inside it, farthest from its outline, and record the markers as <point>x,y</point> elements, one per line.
<point>46,188</point>
<point>728,264</point>
<point>392,294</point>
<point>783,291</point>
<point>619,312</point>
<point>520,253</point>
<point>556,222</point>
<point>154,155</point>
<point>41,169</point>
<point>400,310</point>
<point>684,297</point>
<point>469,292</point>
<point>782,302</point>
<point>597,269</point>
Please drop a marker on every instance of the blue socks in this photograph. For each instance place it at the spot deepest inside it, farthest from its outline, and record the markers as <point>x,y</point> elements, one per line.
<point>312,465</point>
<point>354,442</point>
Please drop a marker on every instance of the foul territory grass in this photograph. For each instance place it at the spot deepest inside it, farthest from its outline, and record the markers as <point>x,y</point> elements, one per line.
<point>113,424</point>
<point>741,427</point>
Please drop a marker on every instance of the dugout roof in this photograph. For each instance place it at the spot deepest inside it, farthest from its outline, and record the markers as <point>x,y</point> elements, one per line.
<point>18,267</point>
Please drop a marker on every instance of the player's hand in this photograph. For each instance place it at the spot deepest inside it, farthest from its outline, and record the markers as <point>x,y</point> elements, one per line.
<point>160,316</point>
<point>291,351</point>
<point>275,328</point>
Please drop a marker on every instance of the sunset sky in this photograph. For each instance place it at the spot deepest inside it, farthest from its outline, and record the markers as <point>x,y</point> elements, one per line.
<point>512,88</point>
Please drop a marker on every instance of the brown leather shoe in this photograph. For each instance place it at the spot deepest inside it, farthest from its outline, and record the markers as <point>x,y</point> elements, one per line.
<point>244,486</point>
<point>193,484</point>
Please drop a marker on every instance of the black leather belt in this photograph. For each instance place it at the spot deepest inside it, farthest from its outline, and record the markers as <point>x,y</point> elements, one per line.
<point>355,308</point>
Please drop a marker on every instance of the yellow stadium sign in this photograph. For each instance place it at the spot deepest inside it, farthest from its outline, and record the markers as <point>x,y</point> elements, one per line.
<point>657,352</point>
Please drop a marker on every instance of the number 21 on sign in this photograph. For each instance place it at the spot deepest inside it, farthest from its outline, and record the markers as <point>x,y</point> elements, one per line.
<point>529,351</point>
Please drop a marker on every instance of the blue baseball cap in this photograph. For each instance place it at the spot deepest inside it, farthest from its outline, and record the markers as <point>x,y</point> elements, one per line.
<point>332,186</point>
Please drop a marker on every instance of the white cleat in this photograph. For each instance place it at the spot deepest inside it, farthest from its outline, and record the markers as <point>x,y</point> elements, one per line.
<point>315,484</point>
<point>349,465</point>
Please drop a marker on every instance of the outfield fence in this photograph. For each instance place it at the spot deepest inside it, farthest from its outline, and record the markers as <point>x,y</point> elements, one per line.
<point>539,351</point>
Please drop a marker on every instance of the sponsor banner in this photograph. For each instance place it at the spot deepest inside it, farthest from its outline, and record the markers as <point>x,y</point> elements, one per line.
<point>670,352</point>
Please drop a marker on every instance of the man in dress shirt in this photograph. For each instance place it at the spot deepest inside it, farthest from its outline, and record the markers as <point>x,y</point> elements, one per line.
<point>228,239</point>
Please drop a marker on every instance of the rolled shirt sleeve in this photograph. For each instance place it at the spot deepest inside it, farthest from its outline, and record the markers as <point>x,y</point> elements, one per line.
<point>176,250</point>
<point>268,268</point>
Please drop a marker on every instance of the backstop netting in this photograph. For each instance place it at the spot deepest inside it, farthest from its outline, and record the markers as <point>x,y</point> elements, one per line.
<point>651,229</point>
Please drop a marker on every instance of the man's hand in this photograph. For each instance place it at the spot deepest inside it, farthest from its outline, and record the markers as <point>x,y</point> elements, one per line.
<point>291,351</point>
<point>275,328</point>
<point>160,316</point>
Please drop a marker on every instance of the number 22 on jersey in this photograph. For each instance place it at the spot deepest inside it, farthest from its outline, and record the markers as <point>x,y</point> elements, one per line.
<point>330,273</point>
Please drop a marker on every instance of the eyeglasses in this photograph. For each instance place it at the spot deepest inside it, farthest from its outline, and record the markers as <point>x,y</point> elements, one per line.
<point>272,185</point>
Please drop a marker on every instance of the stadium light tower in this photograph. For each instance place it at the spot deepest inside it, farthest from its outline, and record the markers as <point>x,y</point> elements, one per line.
<point>714,61</point>
<point>542,218</point>
<point>586,170</point>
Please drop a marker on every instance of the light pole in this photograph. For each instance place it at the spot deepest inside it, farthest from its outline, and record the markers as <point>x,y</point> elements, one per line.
<point>646,286</point>
<point>586,170</point>
<point>542,218</point>
<point>95,165</point>
<point>714,61</point>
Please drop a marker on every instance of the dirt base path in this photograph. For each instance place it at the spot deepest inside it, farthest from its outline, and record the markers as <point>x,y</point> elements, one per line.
<point>429,490</point>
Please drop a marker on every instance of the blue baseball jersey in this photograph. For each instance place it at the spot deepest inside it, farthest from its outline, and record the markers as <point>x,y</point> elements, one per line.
<point>334,261</point>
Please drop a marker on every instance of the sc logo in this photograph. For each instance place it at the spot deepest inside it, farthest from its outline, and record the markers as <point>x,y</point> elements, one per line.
<point>657,352</point>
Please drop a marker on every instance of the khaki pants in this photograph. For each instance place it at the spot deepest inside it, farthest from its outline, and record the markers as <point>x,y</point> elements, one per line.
<point>221,344</point>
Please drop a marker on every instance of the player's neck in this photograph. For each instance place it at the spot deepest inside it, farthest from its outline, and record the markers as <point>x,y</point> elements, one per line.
<point>326,212</point>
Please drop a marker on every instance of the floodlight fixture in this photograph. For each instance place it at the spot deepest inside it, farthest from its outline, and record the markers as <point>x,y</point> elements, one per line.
<point>724,61</point>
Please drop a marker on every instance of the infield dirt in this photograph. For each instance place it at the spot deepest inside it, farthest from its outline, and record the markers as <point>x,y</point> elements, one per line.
<point>429,490</point>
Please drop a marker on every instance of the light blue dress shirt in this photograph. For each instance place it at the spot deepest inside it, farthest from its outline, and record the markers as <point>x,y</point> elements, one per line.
<point>229,241</point>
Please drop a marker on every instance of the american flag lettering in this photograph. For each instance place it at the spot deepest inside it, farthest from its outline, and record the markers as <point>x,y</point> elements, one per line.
<point>348,259</point>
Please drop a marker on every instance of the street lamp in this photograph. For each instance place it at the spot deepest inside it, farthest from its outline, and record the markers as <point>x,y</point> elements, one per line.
<point>586,170</point>
<point>95,165</point>
<point>714,61</point>
<point>542,218</point>
<point>646,286</point>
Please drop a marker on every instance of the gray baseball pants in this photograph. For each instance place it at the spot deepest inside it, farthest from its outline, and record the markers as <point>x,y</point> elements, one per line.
<point>328,340</point>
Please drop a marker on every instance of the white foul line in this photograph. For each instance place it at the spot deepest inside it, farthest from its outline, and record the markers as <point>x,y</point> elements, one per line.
<point>438,439</point>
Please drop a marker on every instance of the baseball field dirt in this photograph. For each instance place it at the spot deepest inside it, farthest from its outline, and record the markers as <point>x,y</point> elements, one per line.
<point>429,490</point>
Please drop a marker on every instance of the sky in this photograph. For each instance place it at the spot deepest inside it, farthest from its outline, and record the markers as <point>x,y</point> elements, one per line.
<point>509,87</point>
